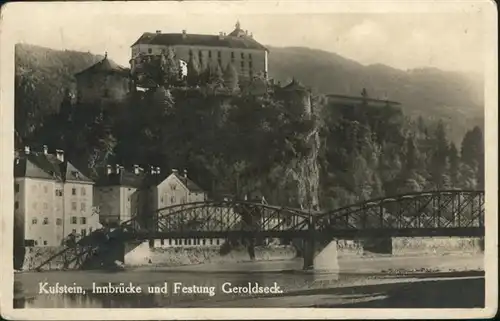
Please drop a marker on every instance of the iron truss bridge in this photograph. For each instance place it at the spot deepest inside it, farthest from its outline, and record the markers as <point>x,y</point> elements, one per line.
<point>436,213</point>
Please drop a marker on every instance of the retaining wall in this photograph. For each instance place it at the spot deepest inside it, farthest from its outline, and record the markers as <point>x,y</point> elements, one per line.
<point>437,245</point>
<point>34,256</point>
<point>142,254</point>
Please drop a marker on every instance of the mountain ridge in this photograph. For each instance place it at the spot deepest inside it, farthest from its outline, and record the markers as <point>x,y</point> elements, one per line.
<point>430,92</point>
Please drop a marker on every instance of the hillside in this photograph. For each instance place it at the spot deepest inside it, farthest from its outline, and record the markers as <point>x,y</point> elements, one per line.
<point>43,74</point>
<point>435,94</point>
<point>42,77</point>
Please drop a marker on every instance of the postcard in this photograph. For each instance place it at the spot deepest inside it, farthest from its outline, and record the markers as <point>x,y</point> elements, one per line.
<point>249,160</point>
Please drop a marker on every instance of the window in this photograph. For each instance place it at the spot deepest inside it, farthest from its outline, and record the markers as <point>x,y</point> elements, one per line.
<point>59,192</point>
<point>45,206</point>
<point>83,208</point>
<point>150,50</point>
<point>172,199</point>
<point>36,243</point>
<point>161,200</point>
<point>190,53</point>
<point>200,54</point>
<point>242,56</point>
<point>161,242</point>
<point>45,189</point>
<point>183,200</point>
<point>169,241</point>
<point>242,64</point>
<point>185,241</point>
<point>73,220</point>
<point>45,221</point>
<point>16,205</point>
<point>250,56</point>
<point>34,221</point>
<point>73,231</point>
<point>73,191</point>
<point>218,54</point>
<point>175,242</point>
<point>210,54</point>
<point>232,54</point>
<point>204,241</point>
<point>84,232</point>
<point>250,65</point>
<point>211,241</point>
<point>16,188</point>
<point>59,221</point>
<point>84,191</point>
<point>83,220</point>
<point>44,242</point>
<point>73,206</point>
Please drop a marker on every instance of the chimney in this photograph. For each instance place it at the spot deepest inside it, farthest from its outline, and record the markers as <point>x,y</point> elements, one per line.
<point>45,149</point>
<point>221,35</point>
<point>109,170</point>
<point>60,154</point>
<point>184,34</point>
<point>185,173</point>
<point>27,150</point>
<point>174,171</point>
<point>122,168</point>
<point>157,170</point>
<point>158,31</point>
<point>136,169</point>
<point>152,170</point>
<point>117,169</point>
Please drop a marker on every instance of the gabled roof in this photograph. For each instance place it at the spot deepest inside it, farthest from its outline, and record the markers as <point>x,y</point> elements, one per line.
<point>47,166</point>
<point>123,178</point>
<point>189,184</point>
<point>105,66</point>
<point>295,85</point>
<point>172,39</point>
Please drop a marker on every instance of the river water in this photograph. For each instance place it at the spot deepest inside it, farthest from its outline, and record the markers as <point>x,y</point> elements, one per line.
<point>285,274</point>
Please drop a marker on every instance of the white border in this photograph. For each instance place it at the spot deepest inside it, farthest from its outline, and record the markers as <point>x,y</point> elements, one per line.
<point>10,11</point>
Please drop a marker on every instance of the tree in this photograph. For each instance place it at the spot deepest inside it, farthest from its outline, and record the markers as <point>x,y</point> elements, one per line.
<point>231,78</point>
<point>454,164</point>
<point>170,68</point>
<point>193,71</point>
<point>472,153</point>
<point>439,156</point>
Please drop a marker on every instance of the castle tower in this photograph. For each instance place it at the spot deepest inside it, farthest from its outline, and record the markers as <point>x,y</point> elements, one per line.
<point>104,81</point>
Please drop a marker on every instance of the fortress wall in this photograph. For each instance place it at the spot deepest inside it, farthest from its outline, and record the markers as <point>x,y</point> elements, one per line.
<point>437,245</point>
<point>176,256</point>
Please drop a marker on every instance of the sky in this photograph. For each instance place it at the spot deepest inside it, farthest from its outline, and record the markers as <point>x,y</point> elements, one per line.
<point>449,40</point>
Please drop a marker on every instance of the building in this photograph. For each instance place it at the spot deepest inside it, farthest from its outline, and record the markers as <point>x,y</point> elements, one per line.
<point>104,81</point>
<point>52,199</point>
<point>238,48</point>
<point>175,189</point>
<point>117,194</point>
<point>363,99</point>
<point>121,194</point>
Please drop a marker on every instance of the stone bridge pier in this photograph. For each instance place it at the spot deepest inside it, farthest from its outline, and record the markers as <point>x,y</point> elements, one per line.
<point>319,254</point>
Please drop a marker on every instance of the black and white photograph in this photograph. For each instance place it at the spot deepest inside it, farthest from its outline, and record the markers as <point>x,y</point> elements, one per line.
<point>325,158</point>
